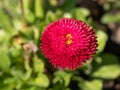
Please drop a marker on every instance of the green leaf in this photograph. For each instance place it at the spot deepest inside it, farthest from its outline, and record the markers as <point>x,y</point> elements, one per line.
<point>80,13</point>
<point>41,80</point>
<point>39,10</point>
<point>29,16</point>
<point>102,39</point>
<point>50,17</point>
<point>110,18</point>
<point>16,80</point>
<point>17,73</point>
<point>5,62</point>
<point>108,68</point>
<point>109,59</point>
<point>28,70</point>
<point>32,88</point>
<point>41,27</point>
<point>26,4</point>
<point>5,22</point>
<point>27,34</point>
<point>38,64</point>
<point>62,77</point>
<point>3,36</point>
<point>53,2</point>
<point>68,5</point>
<point>10,82</point>
<point>91,85</point>
<point>107,72</point>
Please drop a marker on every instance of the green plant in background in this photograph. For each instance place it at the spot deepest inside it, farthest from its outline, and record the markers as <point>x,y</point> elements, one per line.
<point>24,67</point>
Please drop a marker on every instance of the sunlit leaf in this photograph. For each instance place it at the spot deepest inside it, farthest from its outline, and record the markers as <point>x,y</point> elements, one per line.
<point>41,80</point>
<point>91,85</point>
<point>39,10</point>
<point>62,76</point>
<point>28,70</point>
<point>50,17</point>
<point>80,13</point>
<point>102,39</point>
<point>38,64</point>
<point>29,16</point>
<point>108,72</point>
<point>5,62</point>
<point>5,22</point>
<point>108,67</point>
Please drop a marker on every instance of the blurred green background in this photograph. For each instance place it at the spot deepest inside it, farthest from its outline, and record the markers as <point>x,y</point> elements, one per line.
<point>24,67</point>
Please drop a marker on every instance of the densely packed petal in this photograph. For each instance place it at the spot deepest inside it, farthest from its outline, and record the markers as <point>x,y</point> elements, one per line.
<point>68,43</point>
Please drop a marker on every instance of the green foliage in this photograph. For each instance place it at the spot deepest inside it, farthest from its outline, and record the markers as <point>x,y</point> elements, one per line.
<point>5,62</point>
<point>24,67</point>
<point>80,13</point>
<point>110,18</point>
<point>41,80</point>
<point>102,38</point>
<point>39,10</point>
<point>108,67</point>
<point>62,77</point>
<point>5,21</point>
<point>91,85</point>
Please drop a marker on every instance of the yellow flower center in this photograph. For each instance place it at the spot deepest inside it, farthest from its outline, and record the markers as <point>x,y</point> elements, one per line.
<point>69,39</point>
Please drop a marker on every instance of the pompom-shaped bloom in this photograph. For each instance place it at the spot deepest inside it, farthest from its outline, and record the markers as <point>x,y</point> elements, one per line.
<point>68,43</point>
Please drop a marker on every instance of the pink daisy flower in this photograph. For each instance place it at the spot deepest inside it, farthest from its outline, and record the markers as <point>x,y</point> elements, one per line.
<point>68,43</point>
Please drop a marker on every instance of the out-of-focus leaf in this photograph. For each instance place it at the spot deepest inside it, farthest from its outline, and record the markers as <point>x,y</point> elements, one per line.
<point>27,34</point>
<point>116,4</point>
<point>63,77</point>
<point>16,55</point>
<point>59,86</point>
<point>102,39</point>
<point>18,24</point>
<point>109,59</point>
<point>110,18</point>
<point>3,36</point>
<point>29,16</point>
<point>91,85</point>
<point>68,5</point>
<point>108,72</point>
<point>67,15</point>
<point>6,87</point>
<point>18,76</point>
<point>33,88</point>
<point>50,17</point>
<point>28,70</point>
<point>41,80</point>
<point>5,22</point>
<point>87,67</point>
<point>5,62</point>
<point>53,2</point>
<point>41,27</point>
<point>59,13</point>
<point>80,13</point>
<point>11,83</point>
<point>38,64</point>
<point>17,73</point>
<point>108,68</point>
<point>39,10</point>
<point>26,4</point>
<point>111,5</point>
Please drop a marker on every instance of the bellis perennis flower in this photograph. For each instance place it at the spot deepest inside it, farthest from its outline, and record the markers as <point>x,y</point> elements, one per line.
<point>68,43</point>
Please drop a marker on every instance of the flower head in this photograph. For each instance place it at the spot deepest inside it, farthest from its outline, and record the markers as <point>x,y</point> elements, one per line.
<point>68,43</point>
